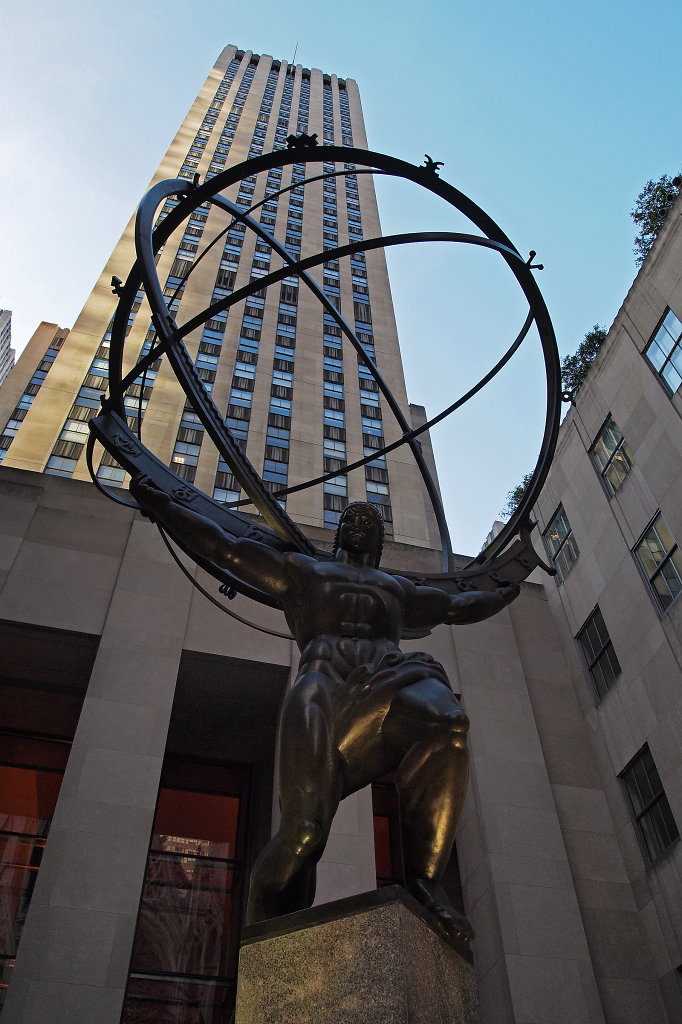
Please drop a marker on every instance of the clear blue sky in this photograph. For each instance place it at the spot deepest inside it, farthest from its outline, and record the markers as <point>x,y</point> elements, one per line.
<point>550,115</point>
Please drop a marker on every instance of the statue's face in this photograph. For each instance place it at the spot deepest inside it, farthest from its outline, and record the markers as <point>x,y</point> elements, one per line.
<point>359,531</point>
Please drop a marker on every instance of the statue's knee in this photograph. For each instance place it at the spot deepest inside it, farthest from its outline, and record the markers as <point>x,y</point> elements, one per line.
<point>306,837</point>
<point>456,725</point>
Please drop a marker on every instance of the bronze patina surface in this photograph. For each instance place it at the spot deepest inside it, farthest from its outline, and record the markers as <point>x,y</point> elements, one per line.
<point>359,707</point>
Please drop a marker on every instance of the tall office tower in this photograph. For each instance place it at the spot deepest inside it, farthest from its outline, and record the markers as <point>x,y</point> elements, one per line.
<point>293,392</point>
<point>6,353</point>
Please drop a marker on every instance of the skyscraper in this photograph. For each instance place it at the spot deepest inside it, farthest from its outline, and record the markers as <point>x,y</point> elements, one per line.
<point>6,352</point>
<point>293,393</point>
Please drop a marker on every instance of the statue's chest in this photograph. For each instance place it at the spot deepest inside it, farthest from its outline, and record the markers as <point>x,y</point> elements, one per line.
<point>359,596</point>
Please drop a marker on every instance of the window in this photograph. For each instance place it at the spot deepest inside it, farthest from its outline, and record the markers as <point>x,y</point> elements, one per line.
<point>664,352</point>
<point>649,805</point>
<point>600,657</point>
<point>30,787</point>
<point>184,961</point>
<point>560,544</point>
<point>371,426</point>
<point>337,485</point>
<point>58,466</point>
<point>660,560</point>
<point>611,457</point>
<point>75,430</point>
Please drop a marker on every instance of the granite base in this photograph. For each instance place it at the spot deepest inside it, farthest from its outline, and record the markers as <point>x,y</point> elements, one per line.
<point>371,959</point>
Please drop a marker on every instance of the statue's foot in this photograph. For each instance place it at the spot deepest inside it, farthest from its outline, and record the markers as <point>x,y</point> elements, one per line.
<point>433,898</point>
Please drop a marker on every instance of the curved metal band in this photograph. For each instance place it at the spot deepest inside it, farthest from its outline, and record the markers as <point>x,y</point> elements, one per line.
<point>170,334</point>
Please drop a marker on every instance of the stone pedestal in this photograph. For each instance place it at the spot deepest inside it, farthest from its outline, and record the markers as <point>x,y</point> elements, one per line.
<point>371,959</point>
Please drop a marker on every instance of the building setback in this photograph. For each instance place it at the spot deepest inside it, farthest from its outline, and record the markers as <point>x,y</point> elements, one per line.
<point>6,351</point>
<point>140,722</point>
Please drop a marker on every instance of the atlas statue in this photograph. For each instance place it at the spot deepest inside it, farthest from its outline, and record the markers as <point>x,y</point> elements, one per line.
<point>359,708</point>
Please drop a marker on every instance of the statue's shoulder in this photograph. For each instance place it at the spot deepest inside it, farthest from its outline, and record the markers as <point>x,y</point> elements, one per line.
<point>407,585</point>
<point>298,561</point>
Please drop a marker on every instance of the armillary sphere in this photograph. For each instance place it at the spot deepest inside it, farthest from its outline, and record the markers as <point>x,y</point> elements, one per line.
<point>510,556</point>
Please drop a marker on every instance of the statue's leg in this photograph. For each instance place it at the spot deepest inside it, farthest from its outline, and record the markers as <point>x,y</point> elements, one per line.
<point>428,721</point>
<point>283,878</point>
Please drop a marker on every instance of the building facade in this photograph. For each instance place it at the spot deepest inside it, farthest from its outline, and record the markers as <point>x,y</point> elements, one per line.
<point>293,393</point>
<point>611,517</point>
<point>139,736</point>
<point>6,351</point>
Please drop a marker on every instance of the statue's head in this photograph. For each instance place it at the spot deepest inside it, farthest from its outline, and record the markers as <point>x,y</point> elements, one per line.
<point>360,529</point>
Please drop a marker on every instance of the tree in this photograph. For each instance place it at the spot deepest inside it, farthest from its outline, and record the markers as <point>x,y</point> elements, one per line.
<point>514,497</point>
<point>574,368</point>
<point>652,206</point>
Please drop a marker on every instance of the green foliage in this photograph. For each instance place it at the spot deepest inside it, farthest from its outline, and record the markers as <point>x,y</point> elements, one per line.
<point>652,206</point>
<point>574,368</point>
<point>514,497</point>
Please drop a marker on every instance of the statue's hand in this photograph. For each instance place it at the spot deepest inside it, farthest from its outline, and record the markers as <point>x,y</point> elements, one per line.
<point>509,591</point>
<point>153,500</point>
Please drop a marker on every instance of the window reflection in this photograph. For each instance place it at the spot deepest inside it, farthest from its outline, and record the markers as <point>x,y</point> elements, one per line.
<point>28,796</point>
<point>185,953</point>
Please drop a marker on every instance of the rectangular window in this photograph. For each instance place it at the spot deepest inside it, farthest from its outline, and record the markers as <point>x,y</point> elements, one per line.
<point>333,416</point>
<point>653,818</point>
<point>337,485</point>
<point>371,426</point>
<point>664,352</point>
<point>58,466</point>
<point>226,497</point>
<point>75,430</point>
<point>660,560</point>
<point>184,961</point>
<point>334,449</point>
<point>600,657</point>
<point>282,377</point>
<point>30,779</point>
<point>335,502</point>
<point>611,457</point>
<point>560,544</point>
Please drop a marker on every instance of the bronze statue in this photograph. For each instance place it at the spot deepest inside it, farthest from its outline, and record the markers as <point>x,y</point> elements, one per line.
<point>359,707</point>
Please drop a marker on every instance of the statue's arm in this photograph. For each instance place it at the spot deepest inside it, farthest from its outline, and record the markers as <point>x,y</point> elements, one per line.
<point>252,562</point>
<point>427,606</point>
<point>476,605</point>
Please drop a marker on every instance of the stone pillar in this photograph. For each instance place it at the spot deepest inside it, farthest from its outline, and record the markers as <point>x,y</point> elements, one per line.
<point>74,955</point>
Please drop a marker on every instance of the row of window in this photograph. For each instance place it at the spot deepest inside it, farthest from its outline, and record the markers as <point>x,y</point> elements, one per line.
<point>656,552</point>
<point>18,414</point>
<point>187,448</point>
<point>660,562</point>
<point>376,473</point>
<point>275,466</point>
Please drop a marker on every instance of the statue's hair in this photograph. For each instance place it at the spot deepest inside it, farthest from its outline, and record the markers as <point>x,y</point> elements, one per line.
<point>363,506</point>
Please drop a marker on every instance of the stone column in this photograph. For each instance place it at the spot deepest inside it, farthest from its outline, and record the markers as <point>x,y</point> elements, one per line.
<point>74,955</point>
